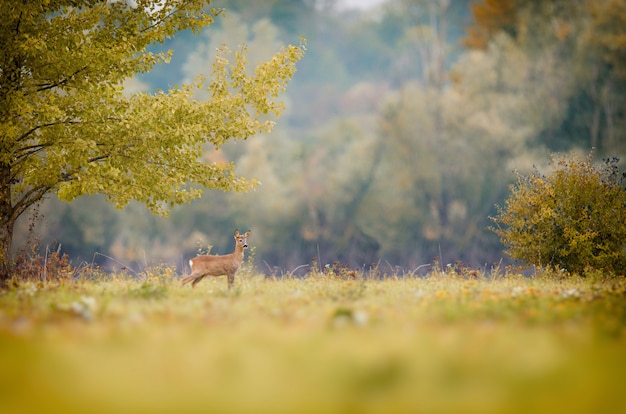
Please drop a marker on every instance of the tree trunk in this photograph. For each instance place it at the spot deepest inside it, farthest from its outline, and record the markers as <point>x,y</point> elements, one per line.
<point>6,236</point>
<point>7,221</point>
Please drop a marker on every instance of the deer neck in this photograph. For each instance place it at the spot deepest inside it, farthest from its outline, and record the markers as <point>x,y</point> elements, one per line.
<point>238,253</point>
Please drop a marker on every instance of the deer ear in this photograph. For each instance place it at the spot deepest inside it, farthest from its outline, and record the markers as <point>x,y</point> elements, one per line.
<point>247,233</point>
<point>236,233</point>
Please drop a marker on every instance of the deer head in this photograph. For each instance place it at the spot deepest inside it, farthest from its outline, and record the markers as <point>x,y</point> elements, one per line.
<point>241,240</point>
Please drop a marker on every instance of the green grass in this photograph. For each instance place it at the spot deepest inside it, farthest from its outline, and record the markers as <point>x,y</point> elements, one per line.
<point>442,344</point>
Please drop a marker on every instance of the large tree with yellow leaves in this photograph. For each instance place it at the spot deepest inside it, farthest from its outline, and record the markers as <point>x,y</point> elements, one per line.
<point>67,128</point>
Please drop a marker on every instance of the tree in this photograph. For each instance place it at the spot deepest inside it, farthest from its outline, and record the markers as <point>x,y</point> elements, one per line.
<point>490,17</point>
<point>603,57</point>
<point>578,74</point>
<point>66,126</point>
<point>574,218</point>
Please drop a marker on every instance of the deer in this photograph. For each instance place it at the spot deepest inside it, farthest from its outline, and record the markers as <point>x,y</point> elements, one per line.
<point>218,265</point>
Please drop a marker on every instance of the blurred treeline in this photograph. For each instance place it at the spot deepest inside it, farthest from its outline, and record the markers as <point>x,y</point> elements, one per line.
<point>402,129</point>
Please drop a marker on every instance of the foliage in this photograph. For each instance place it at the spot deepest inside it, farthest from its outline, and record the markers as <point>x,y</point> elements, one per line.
<point>573,218</point>
<point>30,265</point>
<point>441,343</point>
<point>67,127</point>
<point>397,141</point>
<point>583,44</point>
<point>490,17</point>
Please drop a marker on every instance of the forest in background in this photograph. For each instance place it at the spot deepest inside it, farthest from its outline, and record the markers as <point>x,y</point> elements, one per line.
<point>403,127</point>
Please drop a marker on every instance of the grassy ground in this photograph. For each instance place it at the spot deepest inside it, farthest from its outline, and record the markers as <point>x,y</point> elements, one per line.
<point>440,344</point>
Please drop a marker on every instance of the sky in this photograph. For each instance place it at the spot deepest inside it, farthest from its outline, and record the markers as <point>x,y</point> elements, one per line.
<point>361,4</point>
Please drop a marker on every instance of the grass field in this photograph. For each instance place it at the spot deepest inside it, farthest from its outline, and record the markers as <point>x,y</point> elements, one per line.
<point>436,344</point>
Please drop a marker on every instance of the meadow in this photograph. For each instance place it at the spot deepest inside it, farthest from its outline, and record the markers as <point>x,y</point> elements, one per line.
<point>332,342</point>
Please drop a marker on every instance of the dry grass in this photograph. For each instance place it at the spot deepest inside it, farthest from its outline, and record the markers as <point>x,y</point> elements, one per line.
<point>439,344</point>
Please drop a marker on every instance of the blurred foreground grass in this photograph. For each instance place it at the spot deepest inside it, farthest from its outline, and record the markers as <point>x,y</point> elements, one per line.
<point>440,344</point>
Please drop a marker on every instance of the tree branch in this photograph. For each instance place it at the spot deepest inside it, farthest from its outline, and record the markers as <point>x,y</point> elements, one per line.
<point>28,133</point>
<point>38,127</point>
<point>158,22</point>
<point>169,15</point>
<point>29,198</point>
<point>99,158</point>
<point>28,152</point>
<point>46,86</point>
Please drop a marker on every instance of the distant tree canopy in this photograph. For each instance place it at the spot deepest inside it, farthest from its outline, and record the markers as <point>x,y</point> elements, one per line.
<point>584,40</point>
<point>490,17</point>
<point>67,128</point>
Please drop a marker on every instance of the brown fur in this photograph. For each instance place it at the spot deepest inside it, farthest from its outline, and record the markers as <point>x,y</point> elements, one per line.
<point>215,265</point>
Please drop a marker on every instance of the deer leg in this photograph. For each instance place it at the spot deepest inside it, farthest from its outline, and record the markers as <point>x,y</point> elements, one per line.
<point>191,277</point>
<point>231,280</point>
<point>196,280</point>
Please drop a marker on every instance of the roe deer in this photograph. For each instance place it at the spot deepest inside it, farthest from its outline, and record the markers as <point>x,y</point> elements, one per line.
<point>215,265</point>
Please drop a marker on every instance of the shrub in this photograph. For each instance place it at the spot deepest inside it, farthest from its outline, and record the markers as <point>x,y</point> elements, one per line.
<point>31,265</point>
<point>574,218</point>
